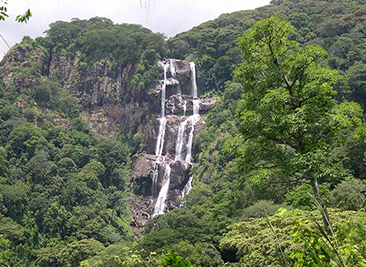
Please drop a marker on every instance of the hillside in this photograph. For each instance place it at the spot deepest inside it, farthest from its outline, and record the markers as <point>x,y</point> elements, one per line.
<point>82,171</point>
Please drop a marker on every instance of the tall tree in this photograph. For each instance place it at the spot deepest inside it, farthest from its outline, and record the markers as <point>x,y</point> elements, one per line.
<point>290,122</point>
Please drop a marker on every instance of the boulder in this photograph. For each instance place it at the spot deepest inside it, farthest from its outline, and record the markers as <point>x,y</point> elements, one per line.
<point>179,175</point>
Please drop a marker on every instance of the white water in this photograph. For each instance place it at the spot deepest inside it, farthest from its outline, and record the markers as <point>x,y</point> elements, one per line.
<point>187,188</point>
<point>180,139</point>
<point>160,204</point>
<point>193,80</point>
<point>172,69</point>
<point>163,194</point>
<point>160,141</point>
<point>154,187</point>
<point>195,117</point>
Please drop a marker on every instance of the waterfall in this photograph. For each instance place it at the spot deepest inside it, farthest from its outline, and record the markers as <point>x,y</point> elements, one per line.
<point>160,141</point>
<point>195,117</point>
<point>193,80</point>
<point>187,188</point>
<point>180,140</point>
<point>185,107</point>
<point>155,176</point>
<point>172,69</point>
<point>163,194</point>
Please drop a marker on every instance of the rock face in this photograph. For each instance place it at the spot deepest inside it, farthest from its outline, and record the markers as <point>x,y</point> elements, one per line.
<point>100,88</point>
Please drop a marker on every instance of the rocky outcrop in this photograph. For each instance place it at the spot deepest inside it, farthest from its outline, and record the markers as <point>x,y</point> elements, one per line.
<point>18,62</point>
<point>100,123</point>
<point>182,105</point>
<point>100,87</point>
<point>145,167</point>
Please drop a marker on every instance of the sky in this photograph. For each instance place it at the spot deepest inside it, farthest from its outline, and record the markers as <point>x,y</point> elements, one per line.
<point>166,16</point>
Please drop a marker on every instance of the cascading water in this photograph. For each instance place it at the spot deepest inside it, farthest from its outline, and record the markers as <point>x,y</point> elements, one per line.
<point>163,194</point>
<point>187,188</point>
<point>160,204</point>
<point>180,140</point>
<point>160,141</point>
<point>195,117</point>
<point>172,69</point>
<point>155,176</point>
<point>193,80</point>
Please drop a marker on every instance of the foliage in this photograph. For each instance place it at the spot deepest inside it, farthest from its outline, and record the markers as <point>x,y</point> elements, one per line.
<point>201,254</point>
<point>289,121</point>
<point>175,261</point>
<point>349,195</point>
<point>75,252</point>
<point>335,25</point>
<point>260,209</point>
<point>62,188</point>
<point>122,255</point>
<point>253,243</point>
<point>19,18</point>
<point>320,249</point>
<point>302,196</point>
<point>5,252</point>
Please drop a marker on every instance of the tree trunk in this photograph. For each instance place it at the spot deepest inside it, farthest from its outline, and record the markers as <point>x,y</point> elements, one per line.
<point>324,211</point>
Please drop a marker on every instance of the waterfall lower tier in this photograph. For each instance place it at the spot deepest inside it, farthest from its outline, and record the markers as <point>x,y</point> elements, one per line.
<point>163,194</point>
<point>180,139</point>
<point>160,140</point>
<point>185,108</point>
<point>155,176</point>
<point>187,188</point>
<point>194,119</point>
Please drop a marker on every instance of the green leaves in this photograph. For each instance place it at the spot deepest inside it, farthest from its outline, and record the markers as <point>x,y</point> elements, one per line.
<point>20,18</point>
<point>172,260</point>
<point>25,17</point>
<point>3,13</point>
<point>288,116</point>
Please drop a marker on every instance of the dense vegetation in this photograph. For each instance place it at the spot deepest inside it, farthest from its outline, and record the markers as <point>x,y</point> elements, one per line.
<point>99,40</point>
<point>227,189</point>
<point>61,186</point>
<point>64,190</point>
<point>338,26</point>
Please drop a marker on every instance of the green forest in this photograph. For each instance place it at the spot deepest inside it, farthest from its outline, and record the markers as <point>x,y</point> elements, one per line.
<point>279,173</point>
